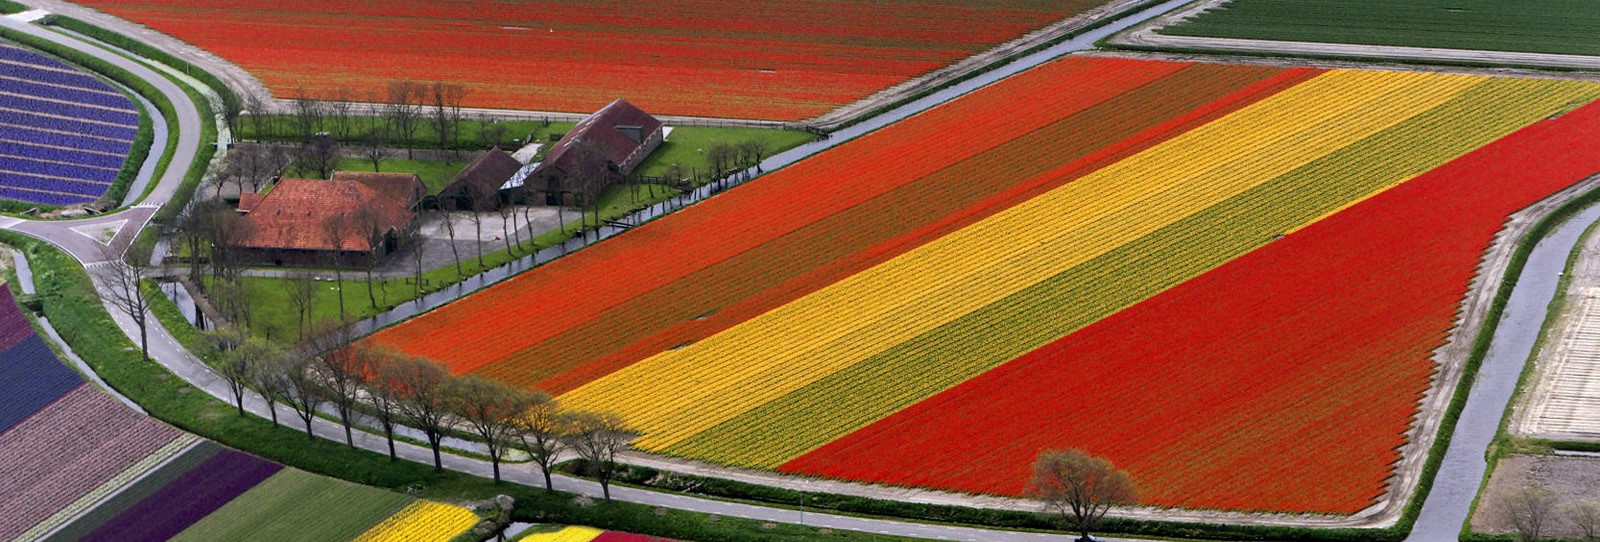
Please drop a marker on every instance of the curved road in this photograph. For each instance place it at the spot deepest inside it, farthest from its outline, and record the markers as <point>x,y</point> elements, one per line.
<point>78,237</point>
<point>1442,514</point>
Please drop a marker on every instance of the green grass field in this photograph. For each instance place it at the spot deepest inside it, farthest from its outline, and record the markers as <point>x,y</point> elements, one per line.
<point>686,146</point>
<point>1535,26</point>
<point>296,505</point>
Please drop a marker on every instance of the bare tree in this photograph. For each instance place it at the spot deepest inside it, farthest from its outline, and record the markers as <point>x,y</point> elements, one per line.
<point>374,147</point>
<point>450,229</point>
<point>382,391</point>
<point>598,437</point>
<point>226,230</point>
<point>123,274</point>
<point>527,220</point>
<point>591,174</point>
<point>508,227</point>
<point>231,301</point>
<point>477,239</point>
<point>340,369</point>
<point>232,365</point>
<point>490,132</point>
<point>271,364</point>
<point>308,114</point>
<point>339,108</point>
<point>492,409</point>
<point>256,110</point>
<point>302,290</point>
<point>403,111</point>
<point>446,100</point>
<point>195,223</point>
<point>370,224</point>
<point>540,430</point>
<point>306,391</point>
<point>422,388</point>
<point>1585,517</point>
<point>720,157</point>
<point>319,155</point>
<point>335,232</point>
<point>1528,511</point>
<point>416,241</point>
<point>1079,488</point>
<point>752,151</point>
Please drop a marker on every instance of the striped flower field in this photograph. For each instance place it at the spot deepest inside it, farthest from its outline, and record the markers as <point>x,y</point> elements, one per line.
<point>78,465</point>
<point>1227,279</point>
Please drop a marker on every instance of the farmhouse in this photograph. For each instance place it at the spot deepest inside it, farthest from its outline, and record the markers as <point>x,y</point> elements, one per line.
<point>600,151</point>
<point>350,220</point>
<point>477,187</point>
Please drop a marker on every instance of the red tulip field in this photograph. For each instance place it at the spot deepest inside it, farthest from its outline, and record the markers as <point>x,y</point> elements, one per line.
<point>775,60</point>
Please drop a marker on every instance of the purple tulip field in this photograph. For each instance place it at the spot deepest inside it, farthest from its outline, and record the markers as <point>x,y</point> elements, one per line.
<point>188,499</point>
<point>64,134</point>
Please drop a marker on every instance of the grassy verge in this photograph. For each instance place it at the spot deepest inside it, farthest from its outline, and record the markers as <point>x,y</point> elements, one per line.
<point>72,306</point>
<point>8,7</point>
<point>142,141</point>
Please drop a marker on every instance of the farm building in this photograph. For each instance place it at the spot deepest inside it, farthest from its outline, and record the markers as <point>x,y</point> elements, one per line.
<point>477,187</point>
<point>351,220</point>
<point>600,151</point>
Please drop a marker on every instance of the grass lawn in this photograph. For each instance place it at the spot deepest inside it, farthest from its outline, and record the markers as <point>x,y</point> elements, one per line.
<point>296,505</point>
<point>686,146</point>
<point>434,174</point>
<point>1536,26</point>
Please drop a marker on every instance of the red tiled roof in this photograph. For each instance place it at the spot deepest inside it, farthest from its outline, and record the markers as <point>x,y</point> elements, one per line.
<point>249,200</point>
<point>295,214</point>
<point>600,129</point>
<point>404,187</point>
